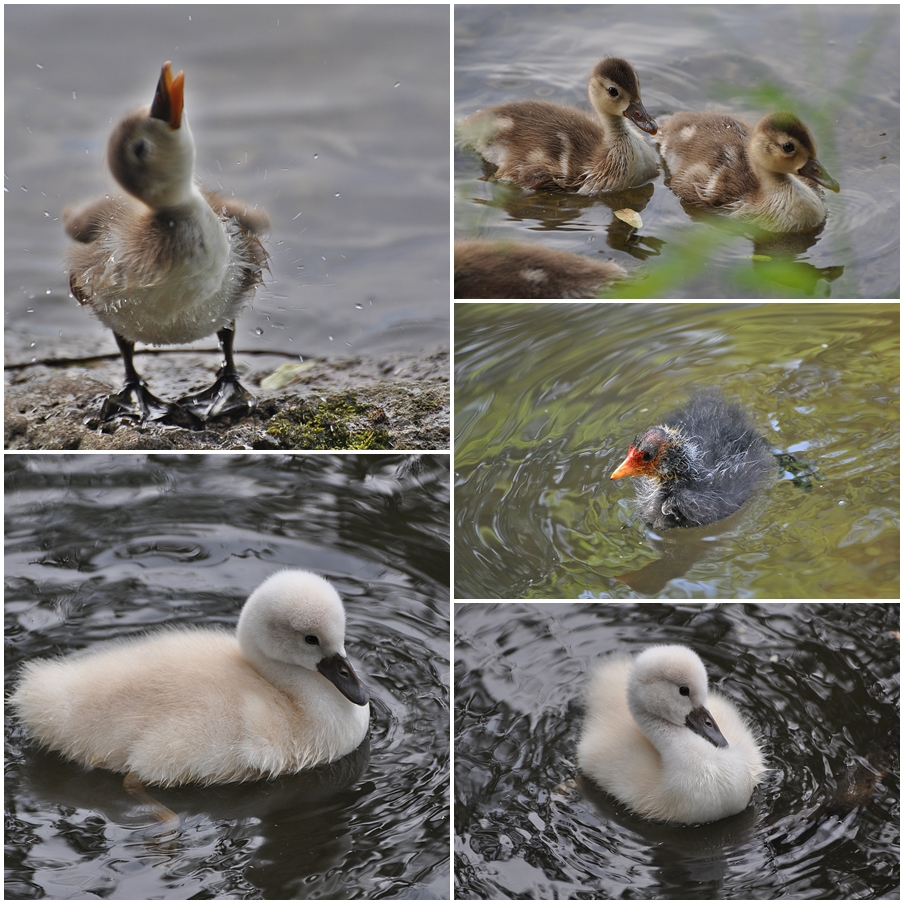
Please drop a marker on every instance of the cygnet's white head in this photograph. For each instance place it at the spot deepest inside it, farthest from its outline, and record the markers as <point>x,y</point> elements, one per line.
<point>151,152</point>
<point>667,688</point>
<point>296,619</point>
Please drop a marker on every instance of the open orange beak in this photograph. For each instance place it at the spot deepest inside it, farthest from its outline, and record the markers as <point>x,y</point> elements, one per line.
<point>169,97</point>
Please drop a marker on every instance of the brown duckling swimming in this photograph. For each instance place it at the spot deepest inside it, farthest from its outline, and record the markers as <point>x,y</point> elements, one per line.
<point>541,145</point>
<point>166,263</point>
<point>522,270</point>
<point>766,174</point>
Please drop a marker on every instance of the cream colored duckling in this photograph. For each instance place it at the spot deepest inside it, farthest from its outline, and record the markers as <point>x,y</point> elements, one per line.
<point>658,742</point>
<point>765,174</point>
<point>541,145</point>
<point>521,270</point>
<point>199,705</point>
<point>166,264</point>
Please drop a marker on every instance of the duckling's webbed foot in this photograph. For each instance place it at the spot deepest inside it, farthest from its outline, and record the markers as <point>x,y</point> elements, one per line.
<point>135,402</point>
<point>226,398</point>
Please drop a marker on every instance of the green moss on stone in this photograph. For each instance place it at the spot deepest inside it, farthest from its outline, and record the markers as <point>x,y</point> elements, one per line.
<point>336,422</point>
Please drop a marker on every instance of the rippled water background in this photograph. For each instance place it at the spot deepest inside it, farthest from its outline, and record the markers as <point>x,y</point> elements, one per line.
<point>549,396</point>
<point>837,65</point>
<point>820,683</point>
<point>99,547</point>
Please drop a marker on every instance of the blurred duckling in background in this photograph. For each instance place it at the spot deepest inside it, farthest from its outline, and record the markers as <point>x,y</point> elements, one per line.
<point>521,270</point>
<point>766,175</point>
<point>540,145</point>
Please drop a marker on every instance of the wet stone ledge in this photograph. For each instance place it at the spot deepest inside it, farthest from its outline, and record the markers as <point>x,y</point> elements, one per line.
<point>391,401</point>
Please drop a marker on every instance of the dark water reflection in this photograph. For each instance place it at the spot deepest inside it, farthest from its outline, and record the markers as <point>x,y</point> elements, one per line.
<point>819,682</point>
<point>101,546</point>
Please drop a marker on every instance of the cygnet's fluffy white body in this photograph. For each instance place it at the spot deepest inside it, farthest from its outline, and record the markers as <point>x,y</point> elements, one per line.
<point>656,740</point>
<point>208,706</point>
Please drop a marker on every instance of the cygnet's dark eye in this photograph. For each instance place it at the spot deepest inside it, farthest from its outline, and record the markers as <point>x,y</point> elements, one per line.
<point>788,147</point>
<point>613,91</point>
<point>312,640</point>
<point>140,149</point>
<point>684,691</point>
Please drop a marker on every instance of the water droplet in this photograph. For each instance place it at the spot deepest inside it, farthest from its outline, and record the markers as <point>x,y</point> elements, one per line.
<point>337,195</point>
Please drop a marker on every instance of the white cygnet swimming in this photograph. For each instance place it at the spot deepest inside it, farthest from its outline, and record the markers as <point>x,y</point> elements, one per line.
<point>656,740</point>
<point>201,705</point>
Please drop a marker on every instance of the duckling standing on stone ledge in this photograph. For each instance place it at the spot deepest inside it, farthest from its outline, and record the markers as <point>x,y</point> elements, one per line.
<point>521,270</point>
<point>765,175</point>
<point>541,145</point>
<point>166,264</point>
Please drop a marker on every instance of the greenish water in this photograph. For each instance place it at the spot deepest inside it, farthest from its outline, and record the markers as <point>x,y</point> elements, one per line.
<point>548,397</point>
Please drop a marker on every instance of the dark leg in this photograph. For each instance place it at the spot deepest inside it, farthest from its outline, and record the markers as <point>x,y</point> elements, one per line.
<point>226,397</point>
<point>136,402</point>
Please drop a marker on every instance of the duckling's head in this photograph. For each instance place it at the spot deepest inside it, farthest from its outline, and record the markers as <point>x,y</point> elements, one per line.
<point>781,143</point>
<point>295,619</point>
<point>151,152</point>
<point>614,91</point>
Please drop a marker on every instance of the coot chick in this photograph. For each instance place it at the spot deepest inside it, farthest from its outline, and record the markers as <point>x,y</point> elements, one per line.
<point>699,466</point>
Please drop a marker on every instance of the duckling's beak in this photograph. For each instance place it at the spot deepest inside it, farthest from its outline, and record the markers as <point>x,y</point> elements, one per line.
<point>814,170</point>
<point>339,670</point>
<point>168,98</point>
<point>639,116</point>
<point>700,721</point>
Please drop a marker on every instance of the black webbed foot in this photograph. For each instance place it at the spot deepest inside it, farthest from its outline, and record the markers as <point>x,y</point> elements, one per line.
<point>226,398</point>
<point>135,402</point>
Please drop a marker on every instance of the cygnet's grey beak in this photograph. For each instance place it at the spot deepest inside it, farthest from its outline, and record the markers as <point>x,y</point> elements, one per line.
<point>700,720</point>
<point>339,670</point>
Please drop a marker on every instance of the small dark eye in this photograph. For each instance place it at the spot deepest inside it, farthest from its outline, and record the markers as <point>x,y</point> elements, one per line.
<point>788,147</point>
<point>312,640</point>
<point>140,149</point>
<point>613,91</point>
<point>684,691</point>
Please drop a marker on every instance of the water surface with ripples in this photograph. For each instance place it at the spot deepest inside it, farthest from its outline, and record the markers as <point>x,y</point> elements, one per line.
<point>101,547</point>
<point>549,396</point>
<point>818,682</point>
